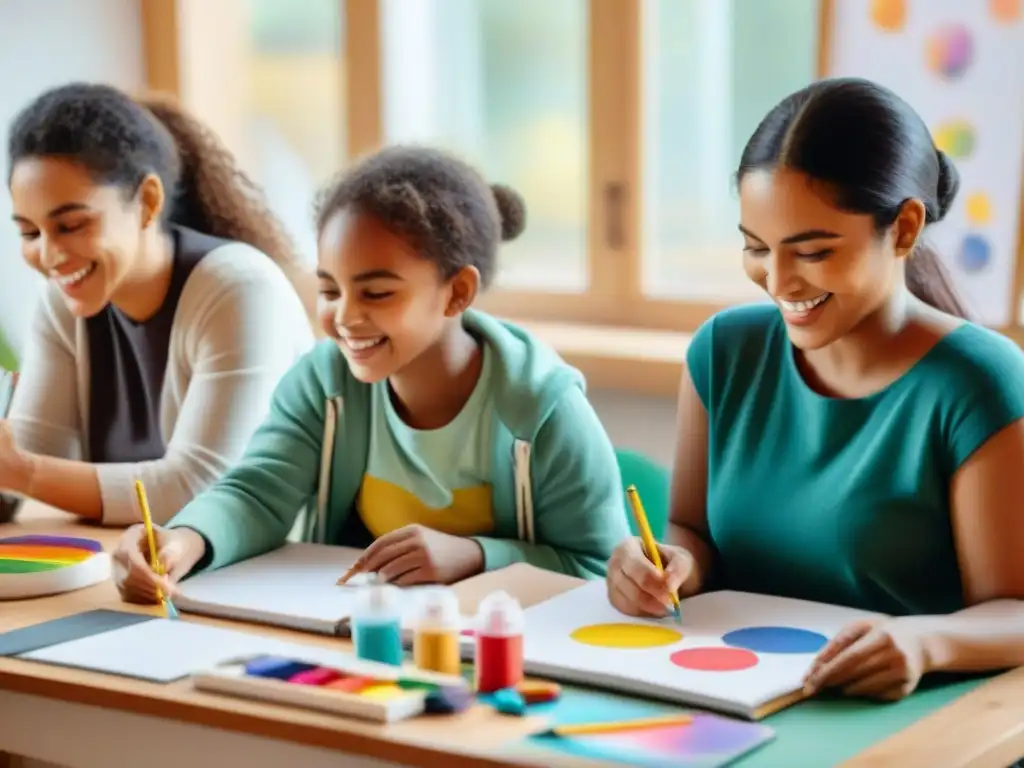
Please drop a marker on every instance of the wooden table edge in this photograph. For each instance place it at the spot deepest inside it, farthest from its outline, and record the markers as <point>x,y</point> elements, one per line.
<point>341,740</point>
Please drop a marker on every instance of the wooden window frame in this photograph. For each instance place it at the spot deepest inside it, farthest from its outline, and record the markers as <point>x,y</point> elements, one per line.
<point>619,336</point>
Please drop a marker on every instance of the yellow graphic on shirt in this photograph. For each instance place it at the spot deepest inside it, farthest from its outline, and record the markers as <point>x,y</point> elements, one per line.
<point>385,507</point>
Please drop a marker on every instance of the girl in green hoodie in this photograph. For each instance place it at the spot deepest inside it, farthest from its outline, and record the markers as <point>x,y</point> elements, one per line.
<point>442,440</point>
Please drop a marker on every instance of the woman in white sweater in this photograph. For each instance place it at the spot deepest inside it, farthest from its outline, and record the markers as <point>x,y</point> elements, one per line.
<point>168,316</point>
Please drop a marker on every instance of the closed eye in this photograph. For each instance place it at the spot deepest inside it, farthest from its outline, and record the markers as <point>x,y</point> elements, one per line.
<point>817,255</point>
<point>29,235</point>
<point>67,229</point>
<point>376,296</point>
<point>755,250</point>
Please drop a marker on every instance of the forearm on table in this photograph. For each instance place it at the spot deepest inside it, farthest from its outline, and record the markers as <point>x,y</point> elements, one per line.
<point>72,486</point>
<point>702,552</point>
<point>987,636</point>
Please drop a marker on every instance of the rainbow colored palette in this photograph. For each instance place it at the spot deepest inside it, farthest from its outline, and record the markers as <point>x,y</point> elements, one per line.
<point>38,565</point>
<point>362,689</point>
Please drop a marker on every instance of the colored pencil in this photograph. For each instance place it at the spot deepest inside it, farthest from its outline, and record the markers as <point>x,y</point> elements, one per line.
<point>590,729</point>
<point>154,561</point>
<point>647,537</point>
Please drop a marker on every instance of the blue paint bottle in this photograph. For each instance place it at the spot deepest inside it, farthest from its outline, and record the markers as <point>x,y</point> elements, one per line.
<point>377,624</point>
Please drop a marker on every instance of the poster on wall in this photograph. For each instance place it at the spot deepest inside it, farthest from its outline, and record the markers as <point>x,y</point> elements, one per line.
<point>960,64</point>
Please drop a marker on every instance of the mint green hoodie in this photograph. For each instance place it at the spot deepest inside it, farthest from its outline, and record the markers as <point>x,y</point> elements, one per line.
<point>557,494</point>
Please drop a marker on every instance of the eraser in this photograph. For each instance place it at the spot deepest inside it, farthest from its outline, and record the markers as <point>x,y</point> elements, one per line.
<point>272,666</point>
<point>508,702</point>
<point>315,676</point>
<point>538,691</point>
<point>448,700</point>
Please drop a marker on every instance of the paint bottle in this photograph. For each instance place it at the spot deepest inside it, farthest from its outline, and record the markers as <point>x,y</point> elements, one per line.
<point>377,624</point>
<point>499,643</point>
<point>435,645</point>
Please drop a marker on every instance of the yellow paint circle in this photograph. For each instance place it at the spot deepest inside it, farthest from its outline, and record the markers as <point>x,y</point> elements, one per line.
<point>626,636</point>
<point>979,208</point>
<point>889,15</point>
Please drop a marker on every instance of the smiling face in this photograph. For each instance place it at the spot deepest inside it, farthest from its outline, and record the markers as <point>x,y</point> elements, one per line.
<point>380,300</point>
<point>84,236</point>
<point>827,270</point>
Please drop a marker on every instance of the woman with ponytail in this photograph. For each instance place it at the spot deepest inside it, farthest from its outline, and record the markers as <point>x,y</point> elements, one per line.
<point>856,441</point>
<point>168,314</point>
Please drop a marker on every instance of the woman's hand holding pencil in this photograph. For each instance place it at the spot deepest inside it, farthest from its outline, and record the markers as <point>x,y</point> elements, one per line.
<point>637,588</point>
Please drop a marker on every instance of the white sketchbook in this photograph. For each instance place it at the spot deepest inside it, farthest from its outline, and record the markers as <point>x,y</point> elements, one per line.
<point>735,652</point>
<point>294,586</point>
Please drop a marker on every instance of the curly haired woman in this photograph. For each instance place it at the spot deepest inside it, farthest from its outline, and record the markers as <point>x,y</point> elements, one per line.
<point>168,316</point>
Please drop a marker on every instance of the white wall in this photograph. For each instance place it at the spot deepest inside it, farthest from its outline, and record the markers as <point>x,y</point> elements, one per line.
<point>42,44</point>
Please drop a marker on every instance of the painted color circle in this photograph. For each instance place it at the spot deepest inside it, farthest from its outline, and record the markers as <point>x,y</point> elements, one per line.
<point>950,51</point>
<point>1005,11</point>
<point>975,253</point>
<point>979,208</point>
<point>889,15</point>
<point>775,640</point>
<point>955,138</point>
<point>714,659</point>
<point>626,636</point>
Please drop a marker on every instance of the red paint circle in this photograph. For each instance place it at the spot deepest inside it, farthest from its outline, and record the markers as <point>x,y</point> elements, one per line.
<point>714,659</point>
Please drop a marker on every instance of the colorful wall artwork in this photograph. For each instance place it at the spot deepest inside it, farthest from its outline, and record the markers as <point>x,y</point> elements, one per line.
<point>960,63</point>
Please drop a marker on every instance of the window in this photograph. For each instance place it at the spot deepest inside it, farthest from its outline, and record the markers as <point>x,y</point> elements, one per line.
<point>712,70</point>
<point>504,84</point>
<point>294,118</point>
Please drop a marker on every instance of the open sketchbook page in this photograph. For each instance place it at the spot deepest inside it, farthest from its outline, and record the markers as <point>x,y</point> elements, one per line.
<point>734,651</point>
<point>294,586</point>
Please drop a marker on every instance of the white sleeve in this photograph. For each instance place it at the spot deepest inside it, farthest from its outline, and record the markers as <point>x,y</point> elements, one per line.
<point>239,345</point>
<point>44,412</point>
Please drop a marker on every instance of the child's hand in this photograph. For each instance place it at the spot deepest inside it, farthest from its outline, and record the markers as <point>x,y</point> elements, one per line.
<point>419,555</point>
<point>179,550</point>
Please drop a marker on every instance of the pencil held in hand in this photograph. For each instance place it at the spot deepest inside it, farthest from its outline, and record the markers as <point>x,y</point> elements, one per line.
<point>647,537</point>
<point>154,559</point>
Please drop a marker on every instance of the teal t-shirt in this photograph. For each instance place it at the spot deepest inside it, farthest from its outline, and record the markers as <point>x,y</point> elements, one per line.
<point>438,478</point>
<point>843,501</point>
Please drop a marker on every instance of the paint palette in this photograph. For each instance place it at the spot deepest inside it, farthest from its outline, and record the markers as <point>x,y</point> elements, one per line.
<point>365,690</point>
<point>736,652</point>
<point>38,565</point>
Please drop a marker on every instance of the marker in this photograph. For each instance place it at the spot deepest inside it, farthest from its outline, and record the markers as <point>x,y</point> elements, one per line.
<point>650,545</point>
<point>584,729</point>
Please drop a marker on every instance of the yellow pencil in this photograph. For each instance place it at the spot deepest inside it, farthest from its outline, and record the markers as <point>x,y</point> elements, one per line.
<point>584,729</point>
<point>154,560</point>
<point>647,537</point>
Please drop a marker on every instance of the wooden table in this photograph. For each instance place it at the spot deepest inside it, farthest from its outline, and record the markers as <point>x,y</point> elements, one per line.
<point>84,719</point>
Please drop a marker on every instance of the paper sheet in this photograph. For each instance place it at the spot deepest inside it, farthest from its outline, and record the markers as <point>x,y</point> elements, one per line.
<point>164,650</point>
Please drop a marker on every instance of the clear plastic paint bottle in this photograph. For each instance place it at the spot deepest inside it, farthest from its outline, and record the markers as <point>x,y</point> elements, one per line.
<point>499,643</point>
<point>377,624</point>
<point>435,645</point>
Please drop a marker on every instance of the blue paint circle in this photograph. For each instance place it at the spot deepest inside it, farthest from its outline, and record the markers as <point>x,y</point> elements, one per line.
<point>775,640</point>
<point>975,253</point>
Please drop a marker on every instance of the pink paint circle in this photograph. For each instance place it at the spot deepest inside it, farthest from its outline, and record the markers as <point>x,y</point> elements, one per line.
<point>714,659</point>
<point>468,633</point>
